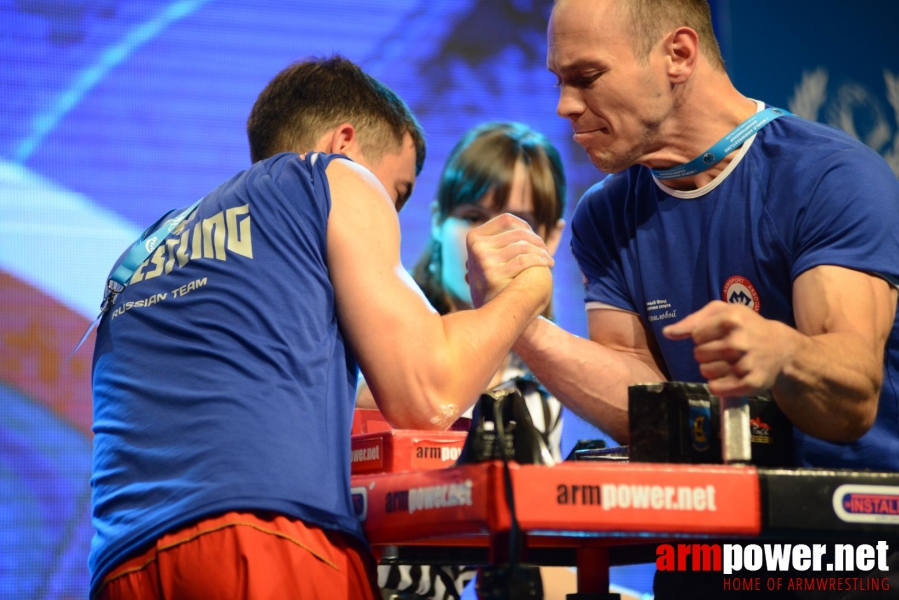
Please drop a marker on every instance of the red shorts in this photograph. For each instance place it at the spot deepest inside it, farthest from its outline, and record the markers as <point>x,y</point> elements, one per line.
<point>242,555</point>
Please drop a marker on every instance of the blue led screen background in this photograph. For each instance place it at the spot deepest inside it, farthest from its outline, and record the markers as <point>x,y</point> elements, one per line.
<point>113,112</point>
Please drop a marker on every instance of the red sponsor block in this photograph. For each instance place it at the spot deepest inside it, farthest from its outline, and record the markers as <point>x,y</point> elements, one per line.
<point>467,504</point>
<point>400,450</point>
<point>644,498</point>
<point>367,453</point>
<point>420,505</point>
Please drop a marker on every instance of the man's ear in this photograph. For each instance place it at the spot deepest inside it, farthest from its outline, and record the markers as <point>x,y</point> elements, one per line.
<point>682,50</point>
<point>553,239</point>
<point>343,140</point>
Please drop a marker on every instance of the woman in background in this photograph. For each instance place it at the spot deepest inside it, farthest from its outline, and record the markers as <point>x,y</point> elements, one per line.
<point>494,168</point>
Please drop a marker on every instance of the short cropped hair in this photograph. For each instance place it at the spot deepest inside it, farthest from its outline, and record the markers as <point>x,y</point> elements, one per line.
<point>308,98</point>
<point>650,19</point>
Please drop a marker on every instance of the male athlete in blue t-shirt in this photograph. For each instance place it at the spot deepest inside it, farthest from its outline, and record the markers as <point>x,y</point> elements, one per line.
<point>734,245</point>
<point>767,261</point>
<point>225,372</point>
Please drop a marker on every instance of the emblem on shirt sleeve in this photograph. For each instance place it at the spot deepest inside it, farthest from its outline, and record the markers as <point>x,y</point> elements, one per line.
<point>739,290</point>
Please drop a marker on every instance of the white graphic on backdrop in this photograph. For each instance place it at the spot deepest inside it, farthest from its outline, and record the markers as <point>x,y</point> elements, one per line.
<point>892,83</point>
<point>853,108</point>
<point>57,239</point>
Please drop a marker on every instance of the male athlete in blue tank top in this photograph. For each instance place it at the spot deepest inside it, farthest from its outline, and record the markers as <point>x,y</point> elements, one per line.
<point>212,307</point>
<point>225,370</point>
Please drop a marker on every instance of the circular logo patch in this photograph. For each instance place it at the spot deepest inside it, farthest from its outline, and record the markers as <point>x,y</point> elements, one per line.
<point>739,290</point>
<point>708,158</point>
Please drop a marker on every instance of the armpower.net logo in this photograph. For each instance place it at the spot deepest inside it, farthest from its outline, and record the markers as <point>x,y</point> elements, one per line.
<point>757,567</point>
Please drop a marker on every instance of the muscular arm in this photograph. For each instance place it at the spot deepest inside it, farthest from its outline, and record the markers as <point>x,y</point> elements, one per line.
<point>423,369</point>
<point>591,376</point>
<point>830,384</point>
<point>826,373</point>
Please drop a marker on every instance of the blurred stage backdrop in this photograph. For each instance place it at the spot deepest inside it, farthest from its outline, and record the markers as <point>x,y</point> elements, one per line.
<point>112,112</point>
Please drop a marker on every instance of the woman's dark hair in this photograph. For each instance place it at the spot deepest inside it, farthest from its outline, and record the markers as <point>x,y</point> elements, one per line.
<point>483,161</point>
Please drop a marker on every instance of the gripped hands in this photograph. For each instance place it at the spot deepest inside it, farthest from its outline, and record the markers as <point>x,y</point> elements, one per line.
<point>502,250</point>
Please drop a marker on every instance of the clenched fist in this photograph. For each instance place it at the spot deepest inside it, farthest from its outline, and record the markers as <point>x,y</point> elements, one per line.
<point>505,249</point>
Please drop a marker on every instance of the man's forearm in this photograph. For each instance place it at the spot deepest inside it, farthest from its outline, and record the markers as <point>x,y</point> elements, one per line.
<point>588,378</point>
<point>825,373</point>
<point>451,373</point>
<point>830,386</point>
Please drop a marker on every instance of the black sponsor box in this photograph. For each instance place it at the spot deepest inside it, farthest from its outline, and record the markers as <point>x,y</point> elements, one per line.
<point>680,422</point>
<point>806,503</point>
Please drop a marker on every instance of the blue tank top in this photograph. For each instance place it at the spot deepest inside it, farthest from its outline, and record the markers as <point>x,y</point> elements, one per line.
<point>800,195</point>
<point>221,379</point>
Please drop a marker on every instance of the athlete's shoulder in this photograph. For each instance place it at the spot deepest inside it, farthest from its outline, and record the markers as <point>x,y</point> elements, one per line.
<point>811,139</point>
<point>351,182</point>
<point>613,192</point>
<point>819,148</point>
<point>290,172</point>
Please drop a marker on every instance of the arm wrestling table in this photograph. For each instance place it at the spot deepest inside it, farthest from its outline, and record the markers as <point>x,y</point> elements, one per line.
<point>593,514</point>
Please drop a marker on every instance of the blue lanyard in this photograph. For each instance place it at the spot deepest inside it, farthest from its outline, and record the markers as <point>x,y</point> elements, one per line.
<point>725,145</point>
<point>140,250</point>
<point>138,253</point>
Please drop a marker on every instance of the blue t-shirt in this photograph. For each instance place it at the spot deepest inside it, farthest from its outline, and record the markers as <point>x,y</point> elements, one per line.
<point>798,195</point>
<point>221,379</point>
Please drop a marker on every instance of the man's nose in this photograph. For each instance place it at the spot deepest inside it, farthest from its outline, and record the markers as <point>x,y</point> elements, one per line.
<point>570,103</point>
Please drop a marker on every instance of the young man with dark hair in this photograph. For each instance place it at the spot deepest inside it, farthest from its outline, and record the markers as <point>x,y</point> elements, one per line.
<point>225,370</point>
<point>307,99</point>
